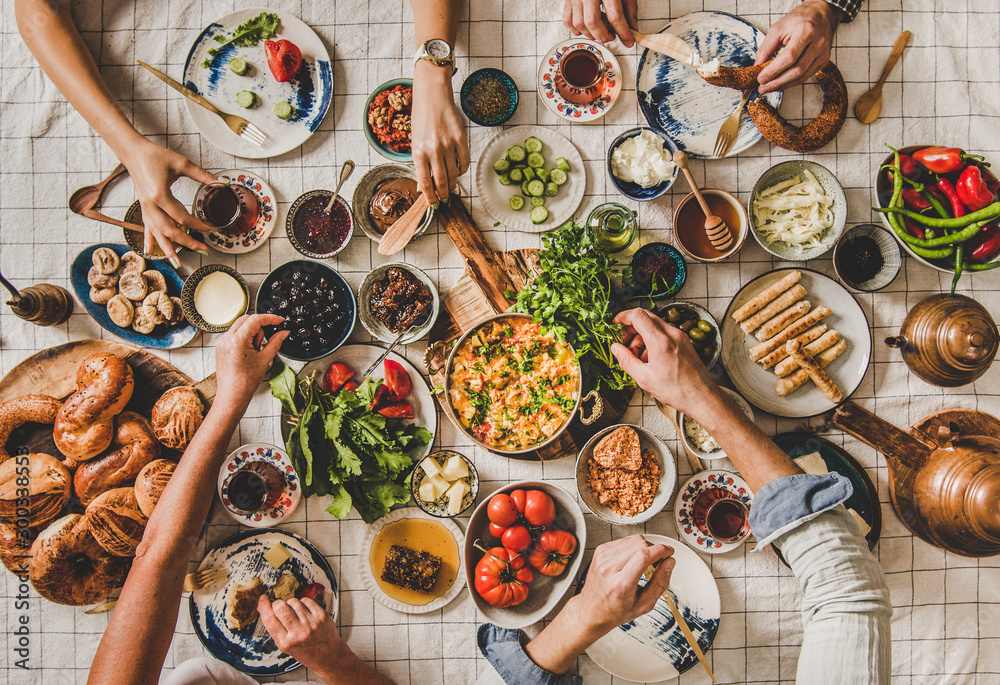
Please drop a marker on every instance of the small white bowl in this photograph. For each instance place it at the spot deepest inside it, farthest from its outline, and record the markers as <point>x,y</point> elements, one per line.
<point>682,420</point>
<point>379,329</point>
<point>664,492</point>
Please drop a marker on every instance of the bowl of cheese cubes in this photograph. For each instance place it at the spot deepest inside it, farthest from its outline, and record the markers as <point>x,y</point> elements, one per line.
<point>444,484</point>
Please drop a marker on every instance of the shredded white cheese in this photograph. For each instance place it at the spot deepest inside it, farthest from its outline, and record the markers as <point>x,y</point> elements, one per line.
<point>795,212</point>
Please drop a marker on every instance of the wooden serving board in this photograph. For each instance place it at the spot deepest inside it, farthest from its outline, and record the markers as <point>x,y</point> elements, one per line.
<point>478,294</point>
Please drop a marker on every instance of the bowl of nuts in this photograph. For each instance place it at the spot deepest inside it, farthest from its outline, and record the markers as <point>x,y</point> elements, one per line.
<point>387,119</point>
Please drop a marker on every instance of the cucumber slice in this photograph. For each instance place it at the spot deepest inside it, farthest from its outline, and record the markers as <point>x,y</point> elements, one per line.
<point>538,215</point>
<point>246,98</point>
<point>542,175</point>
<point>530,174</point>
<point>558,176</point>
<point>282,110</point>
<point>501,166</point>
<point>524,188</point>
<point>516,202</point>
<point>536,188</point>
<point>238,66</point>
<point>537,201</point>
<point>504,179</point>
<point>536,160</point>
<point>516,175</point>
<point>533,144</point>
<point>562,164</point>
<point>551,189</point>
<point>515,153</point>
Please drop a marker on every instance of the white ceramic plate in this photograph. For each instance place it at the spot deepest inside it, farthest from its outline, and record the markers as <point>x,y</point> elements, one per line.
<point>359,358</point>
<point>368,577</point>
<point>700,538</point>
<point>495,197</point>
<point>756,383</point>
<point>652,648</point>
<point>253,651</point>
<point>269,454</point>
<point>545,592</point>
<point>309,92</point>
<point>668,477</point>
<point>251,239</point>
<point>556,103</point>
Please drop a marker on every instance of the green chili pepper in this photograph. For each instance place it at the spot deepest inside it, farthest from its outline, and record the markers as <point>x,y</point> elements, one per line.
<point>982,267</point>
<point>989,212</point>
<point>959,264</point>
<point>954,238</point>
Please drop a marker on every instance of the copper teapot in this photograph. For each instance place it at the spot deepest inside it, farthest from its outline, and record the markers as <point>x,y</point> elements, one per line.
<point>944,474</point>
<point>947,340</point>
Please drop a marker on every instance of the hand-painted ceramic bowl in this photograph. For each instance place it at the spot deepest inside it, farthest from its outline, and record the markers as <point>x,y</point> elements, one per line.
<point>634,190</point>
<point>373,140</point>
<point>489,97</point>
<point>659,257</point>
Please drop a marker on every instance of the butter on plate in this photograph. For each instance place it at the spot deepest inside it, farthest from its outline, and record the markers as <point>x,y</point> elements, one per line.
<point>813,463</point>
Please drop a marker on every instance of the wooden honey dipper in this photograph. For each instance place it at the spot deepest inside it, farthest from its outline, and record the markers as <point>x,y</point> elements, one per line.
<point>718,233</point>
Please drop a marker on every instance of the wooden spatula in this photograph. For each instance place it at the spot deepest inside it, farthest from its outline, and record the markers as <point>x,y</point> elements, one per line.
<point>715,227</point>
<point>401,232</point>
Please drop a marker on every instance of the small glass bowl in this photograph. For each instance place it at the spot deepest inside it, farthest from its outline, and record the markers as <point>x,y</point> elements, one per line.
<point>484,76</point>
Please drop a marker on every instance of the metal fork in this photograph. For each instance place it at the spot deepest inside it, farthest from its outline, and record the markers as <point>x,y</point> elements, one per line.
<point>204,578</point>
<point>731,126</point>
<point>237,124</point>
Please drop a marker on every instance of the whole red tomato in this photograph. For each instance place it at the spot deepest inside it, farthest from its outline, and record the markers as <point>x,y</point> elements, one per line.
<point>496,530</point>
<point>501,511</point>
<point>516,539</point>
<point>539,510</point>
<point>502,581</point>
<point>552,552</point>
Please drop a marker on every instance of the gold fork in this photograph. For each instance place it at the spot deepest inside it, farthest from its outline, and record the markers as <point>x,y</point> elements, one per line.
<point>731,126</point>
<point>237,124</point>
<point>205,577</point>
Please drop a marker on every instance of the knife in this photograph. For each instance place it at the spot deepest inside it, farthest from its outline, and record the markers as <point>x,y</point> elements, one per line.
<point>666,44</point>
<point>183,90</point>
<point>685,628</point>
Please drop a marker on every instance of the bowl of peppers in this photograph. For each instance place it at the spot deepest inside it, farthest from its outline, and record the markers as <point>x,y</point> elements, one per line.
<point>941,204</point>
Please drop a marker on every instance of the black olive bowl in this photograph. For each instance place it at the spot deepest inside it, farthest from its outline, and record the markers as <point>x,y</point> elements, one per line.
<point>318,304</point>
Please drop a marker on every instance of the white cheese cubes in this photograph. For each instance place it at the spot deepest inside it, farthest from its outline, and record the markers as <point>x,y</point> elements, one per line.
<point>430,466</point>
<point>277,555</point>
<point>456,493</point>
<point>432,488</point>
<point>454,468</point>
<point>445,481</point>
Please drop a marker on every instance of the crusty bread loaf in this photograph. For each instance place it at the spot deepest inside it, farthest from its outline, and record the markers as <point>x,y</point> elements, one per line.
<point>150,482</point>
<point>619,449</point>
<point>133,447</point>
<point>84,425</point>
<point>15,547</point>
<point>47,483</point>
<point>176,416</point>
<point>21,410</point>
<point>116,522</point>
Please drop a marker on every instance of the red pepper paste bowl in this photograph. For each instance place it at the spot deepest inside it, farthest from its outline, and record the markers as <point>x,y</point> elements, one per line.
<point>373,136</point>
<point>315,233</point>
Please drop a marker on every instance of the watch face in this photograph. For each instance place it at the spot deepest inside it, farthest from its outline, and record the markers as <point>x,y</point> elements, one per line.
<point>438,49</point>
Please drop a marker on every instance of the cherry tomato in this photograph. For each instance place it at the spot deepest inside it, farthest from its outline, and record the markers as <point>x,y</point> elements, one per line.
<point>397,380</point>
<point>552,552</point>
<point>501,580</point>
<point>501,511</point>
<point>336,376</point>
<point>538,509</point>
<point>516,539</point>
<point>396,410</point>
<point>284,58</point>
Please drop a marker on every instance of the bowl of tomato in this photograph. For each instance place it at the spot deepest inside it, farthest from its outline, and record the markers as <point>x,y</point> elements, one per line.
<point>523,549</point>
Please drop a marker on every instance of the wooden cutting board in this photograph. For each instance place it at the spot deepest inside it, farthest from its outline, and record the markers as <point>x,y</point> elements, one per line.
<point>480,293</point>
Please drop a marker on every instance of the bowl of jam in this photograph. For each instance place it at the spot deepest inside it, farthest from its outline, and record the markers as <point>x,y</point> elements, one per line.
<point>317,303</point>
<point>314,232</point>
<point>656,271</point>
<point>382,196</point>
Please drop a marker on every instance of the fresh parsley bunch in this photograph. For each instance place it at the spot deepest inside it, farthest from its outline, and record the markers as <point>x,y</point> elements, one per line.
<point>340,448</point>
<point>263,26</point>
<point>572,297</point>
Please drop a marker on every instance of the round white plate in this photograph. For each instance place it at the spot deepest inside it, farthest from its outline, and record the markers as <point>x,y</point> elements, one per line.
<point>269,454</point>
<point>556,103</point>
<point>697,537</point>
<point>368,578</point>
<point>679,102</point>
<point>309,92</point>
<point>756,383</point>
<point>253,651</point>
<point>254,237</point>
<point>495,197</point>
<point>359,358</point>
<point>652,648</point>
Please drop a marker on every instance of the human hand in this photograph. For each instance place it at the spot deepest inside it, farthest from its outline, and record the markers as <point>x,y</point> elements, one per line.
<point>803,37</point>
<point>304,630</point>
<point>440,147</point>
<point>662,360</point>
<point>584,16</point>
<point>153,170</point>
<point>240,361</point>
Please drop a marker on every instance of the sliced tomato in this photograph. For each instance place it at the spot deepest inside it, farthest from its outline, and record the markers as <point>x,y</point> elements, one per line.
<point>350,385</point>
<point>336,376</point>
<point>397,380</point>
<point>381,398</point>
<point>396,410</point>
<point>284,58</point>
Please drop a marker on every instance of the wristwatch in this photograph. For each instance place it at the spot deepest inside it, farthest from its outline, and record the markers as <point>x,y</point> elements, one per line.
<point>436,51</point>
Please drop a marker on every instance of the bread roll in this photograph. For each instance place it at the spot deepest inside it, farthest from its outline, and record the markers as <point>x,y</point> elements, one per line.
<point>809,336</point>
<point>84,426</point>
<point>176,416</point>
<point>824,342</point>
<point>812,367</point>
<point>21,410</point>
<point>133,447</point>
<point>798,326</point>
<point>795,380</point>
<point>46,482</point>
<point>787,299</point>
<point>150,482</point>
<point>116,522</point>
<point>15,547</point>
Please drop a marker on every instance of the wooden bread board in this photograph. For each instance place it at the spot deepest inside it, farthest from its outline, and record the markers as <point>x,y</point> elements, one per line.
<point>480,293</point>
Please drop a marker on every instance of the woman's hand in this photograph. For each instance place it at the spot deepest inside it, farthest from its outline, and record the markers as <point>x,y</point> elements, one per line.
<point>584,17</point>
<point>802,38</point>
<point>440,147</point>
<point>241,362</point>
<point>153,170</point>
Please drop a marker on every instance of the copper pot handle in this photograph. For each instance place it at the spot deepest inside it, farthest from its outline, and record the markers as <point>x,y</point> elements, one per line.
<point>882,435</point>
<point>429,355</point>
<point>597,410</point>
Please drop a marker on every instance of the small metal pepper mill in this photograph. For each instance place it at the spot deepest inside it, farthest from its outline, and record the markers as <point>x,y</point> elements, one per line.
<point>43,304</point>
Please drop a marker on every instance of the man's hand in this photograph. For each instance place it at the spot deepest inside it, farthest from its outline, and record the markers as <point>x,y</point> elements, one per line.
<point>153,170</point>
<point>304,630</point>
<point>803,37</point>
<point>584,16</point>
<point>240,361</point>
<point>440,147</point>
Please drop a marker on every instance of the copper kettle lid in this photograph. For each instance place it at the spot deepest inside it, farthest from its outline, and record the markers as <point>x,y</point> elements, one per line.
<point>968,338</point>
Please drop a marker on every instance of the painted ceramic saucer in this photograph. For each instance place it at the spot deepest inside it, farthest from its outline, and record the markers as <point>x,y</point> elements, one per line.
<point>290,495</point>
<point>254,237</point>
<point>556,103</point>
<point>698,536</point>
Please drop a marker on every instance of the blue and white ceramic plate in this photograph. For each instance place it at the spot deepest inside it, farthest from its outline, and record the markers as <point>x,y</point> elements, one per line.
<point>163,337</point>
<point>561,107</point>
<point>309,92</point>
<point>652,647</point>
<point>679,102</point>
<point>253,651</point>
<point>291,493</point>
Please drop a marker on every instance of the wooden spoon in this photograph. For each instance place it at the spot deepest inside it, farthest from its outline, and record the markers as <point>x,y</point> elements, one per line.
<point>718,233</point>
<point>869,105</point>
<point>87,197</point>
<point>97,216</point>
<point>401,232</point>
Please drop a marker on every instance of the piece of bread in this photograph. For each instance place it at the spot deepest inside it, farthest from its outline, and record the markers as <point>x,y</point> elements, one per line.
<point>815,371</point>
<point>84,425</point>
<point>765,296</point>
<point>116,522</point>
<point>241,605</point>
<point>150,482</point>
<point>25,409</point>
<point>134,445</point>
<point>33,493</point>
<point>786,300</point>
<point>176,416</point>
<point>285,588</point>
<point>795,380</point>
<point>619,449</point>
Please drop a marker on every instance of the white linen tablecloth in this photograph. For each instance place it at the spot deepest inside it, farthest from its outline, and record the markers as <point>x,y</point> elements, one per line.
<point>946,627</point>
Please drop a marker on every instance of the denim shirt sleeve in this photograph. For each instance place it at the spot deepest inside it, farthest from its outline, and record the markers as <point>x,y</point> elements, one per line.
<point>504,650</point>
<point>786,503</point>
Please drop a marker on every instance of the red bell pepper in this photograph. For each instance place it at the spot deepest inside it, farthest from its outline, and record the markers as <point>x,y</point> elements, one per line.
<point>972,189</point>
<point>913,227</point>
<point>944,160</point>
<point>957,208</point>
<point>914,200</point>
<point>985,244</point>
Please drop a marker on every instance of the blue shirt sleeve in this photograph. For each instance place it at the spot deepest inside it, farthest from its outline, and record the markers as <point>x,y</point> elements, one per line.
<point>504,650</point>
<point>786,503</point>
